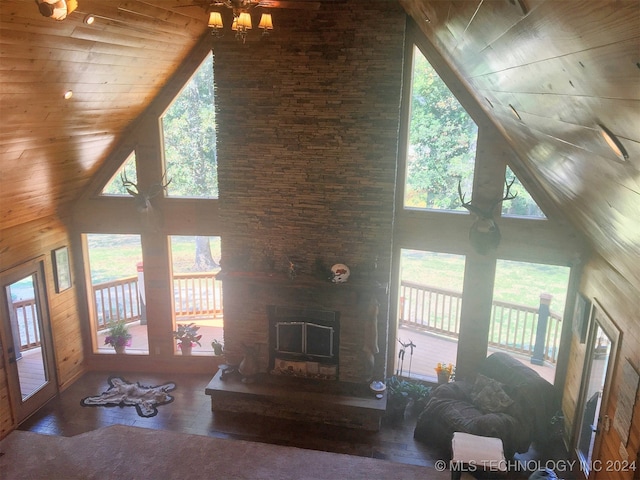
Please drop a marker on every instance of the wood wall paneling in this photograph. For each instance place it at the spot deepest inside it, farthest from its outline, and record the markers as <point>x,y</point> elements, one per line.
<point>20,244</point>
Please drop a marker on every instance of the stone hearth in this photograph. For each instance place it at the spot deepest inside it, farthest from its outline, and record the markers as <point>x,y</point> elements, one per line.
<point>333,403</point>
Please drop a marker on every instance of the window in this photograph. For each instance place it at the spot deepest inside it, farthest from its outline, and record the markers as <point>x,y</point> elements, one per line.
<point>189,133</point>
<point>442,143</point>
<point>429,311</point>
<point>128,171</point>
<point>117,289</point>
<point>519,292</point>
<point>523,205</point>
<point>197,293</point>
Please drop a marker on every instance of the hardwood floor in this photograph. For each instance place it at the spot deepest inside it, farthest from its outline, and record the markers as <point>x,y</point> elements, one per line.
<point>190,412</point>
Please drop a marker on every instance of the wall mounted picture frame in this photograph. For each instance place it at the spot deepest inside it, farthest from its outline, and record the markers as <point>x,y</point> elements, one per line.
<point>581,313</point>
<point>61,269</point>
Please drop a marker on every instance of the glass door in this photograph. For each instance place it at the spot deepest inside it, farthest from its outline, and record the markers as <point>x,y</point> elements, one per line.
<point>26,341</point>
<point>601,354</point>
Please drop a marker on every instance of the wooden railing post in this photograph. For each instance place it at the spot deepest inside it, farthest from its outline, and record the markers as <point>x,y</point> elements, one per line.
<point>141,294</point>
<point>541,331</point>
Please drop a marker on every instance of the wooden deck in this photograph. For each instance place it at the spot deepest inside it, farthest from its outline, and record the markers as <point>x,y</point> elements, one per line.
<point>430,349</point>
<point>31,371</point>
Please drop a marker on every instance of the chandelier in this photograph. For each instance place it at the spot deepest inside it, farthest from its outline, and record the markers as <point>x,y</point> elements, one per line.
<point>56,9</point>
<point>242,21</point>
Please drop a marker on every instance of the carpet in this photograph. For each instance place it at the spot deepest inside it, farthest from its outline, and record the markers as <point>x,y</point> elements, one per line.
<point>126,452</point>
<point>122,393</point>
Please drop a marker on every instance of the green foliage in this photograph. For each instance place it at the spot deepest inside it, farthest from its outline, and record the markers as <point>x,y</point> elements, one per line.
<point>442,142</point>
<point>115,186</point>
<point>189,128</point>
<point>187,333</point>
<point>442,148</point>
<point>118,335</point>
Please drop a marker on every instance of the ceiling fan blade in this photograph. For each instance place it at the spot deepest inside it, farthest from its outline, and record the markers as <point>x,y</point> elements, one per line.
<point>299,4</point>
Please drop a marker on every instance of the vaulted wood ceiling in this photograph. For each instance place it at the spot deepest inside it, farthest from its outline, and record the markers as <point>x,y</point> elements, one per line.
<point>565,66</point>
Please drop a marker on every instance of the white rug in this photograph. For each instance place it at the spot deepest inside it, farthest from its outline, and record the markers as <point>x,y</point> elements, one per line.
<point>123,452</point>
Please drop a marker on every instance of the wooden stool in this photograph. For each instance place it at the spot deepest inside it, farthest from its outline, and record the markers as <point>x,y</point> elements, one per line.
<point>473,452</point>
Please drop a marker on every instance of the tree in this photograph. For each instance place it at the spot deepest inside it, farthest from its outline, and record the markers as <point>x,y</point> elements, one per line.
<point>190,138</point>
<point>442,141</point>
<point>189,129</point>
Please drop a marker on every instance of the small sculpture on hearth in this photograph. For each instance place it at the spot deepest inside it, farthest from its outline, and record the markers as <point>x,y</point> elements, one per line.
<point>248,367</point>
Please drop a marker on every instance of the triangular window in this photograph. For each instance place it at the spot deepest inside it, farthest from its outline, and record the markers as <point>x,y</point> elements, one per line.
<point>442,142</point>
<point>523,205</point>
<point>127,170</point>
<point>189,132</point>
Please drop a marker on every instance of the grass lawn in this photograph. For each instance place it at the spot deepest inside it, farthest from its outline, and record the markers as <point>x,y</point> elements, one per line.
<point>115,256</point>
<point>516,282</point>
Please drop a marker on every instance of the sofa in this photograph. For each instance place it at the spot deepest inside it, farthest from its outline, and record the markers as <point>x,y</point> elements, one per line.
<point>506,399</point>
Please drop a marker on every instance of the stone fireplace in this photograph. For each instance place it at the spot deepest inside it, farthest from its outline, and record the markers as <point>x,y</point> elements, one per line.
<point>303,342</point>
<point>307,142</point>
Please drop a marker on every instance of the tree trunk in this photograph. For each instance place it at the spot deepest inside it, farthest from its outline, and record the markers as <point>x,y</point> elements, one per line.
<point>204,260</point>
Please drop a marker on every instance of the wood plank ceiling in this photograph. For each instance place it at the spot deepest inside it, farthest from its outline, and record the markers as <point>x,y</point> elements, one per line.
<point>50,147</point>
<point>565,66</point>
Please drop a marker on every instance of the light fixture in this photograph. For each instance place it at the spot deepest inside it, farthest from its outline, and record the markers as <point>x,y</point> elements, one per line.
<point>215,23</point>
<point>56,9</point>
<point>515,112</point>
<point>241,25</point>
<point>68,94</point>
<point>265,23</point>
<point>242,22</point>
<point>89,19</point>
<point>614,143</point>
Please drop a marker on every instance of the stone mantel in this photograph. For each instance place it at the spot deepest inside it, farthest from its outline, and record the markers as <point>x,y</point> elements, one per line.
<point>303,281</point>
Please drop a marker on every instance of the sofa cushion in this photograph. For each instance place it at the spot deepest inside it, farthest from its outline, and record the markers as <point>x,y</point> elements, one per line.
<point>489,396</point>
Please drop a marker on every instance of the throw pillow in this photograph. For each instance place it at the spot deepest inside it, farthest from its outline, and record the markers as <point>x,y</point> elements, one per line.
<point>489,396</point>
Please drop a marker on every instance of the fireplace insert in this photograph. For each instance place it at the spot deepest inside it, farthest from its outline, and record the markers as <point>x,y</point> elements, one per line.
<point>303,342</point>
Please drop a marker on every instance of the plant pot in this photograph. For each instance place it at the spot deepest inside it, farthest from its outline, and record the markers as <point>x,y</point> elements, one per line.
<point>186,349</point>
<point>443,377</point>
<point>120,348</point>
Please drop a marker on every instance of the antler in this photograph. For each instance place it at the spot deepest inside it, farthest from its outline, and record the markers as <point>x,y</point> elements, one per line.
<point>506,195</point>
<point>128,183</point>
<point>156,188</point>
<point>142,199</point>
<point>468,205</point>
<point>489,212</point>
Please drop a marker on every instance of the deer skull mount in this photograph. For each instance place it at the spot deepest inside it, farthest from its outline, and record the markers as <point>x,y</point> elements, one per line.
<point>142,200</point>
<point>484,234</point>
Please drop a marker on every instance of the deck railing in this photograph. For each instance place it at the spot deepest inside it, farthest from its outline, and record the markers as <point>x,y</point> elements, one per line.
<point>26,317</point>
<point>118,300</point>
<point>513,327</point>
<point>195,294</point>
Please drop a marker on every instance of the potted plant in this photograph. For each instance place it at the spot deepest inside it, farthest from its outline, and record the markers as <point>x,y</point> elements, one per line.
<point>418,395</point>
<point>118,336</point>
<point>218,347</point>
<point>445,372</point>
<point>397,399</point>
<point>187,336</point>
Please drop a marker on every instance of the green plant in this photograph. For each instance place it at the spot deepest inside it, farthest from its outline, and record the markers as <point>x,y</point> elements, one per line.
<point>187,334</point>
<point>217,346</point>
<point>118,335</point>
